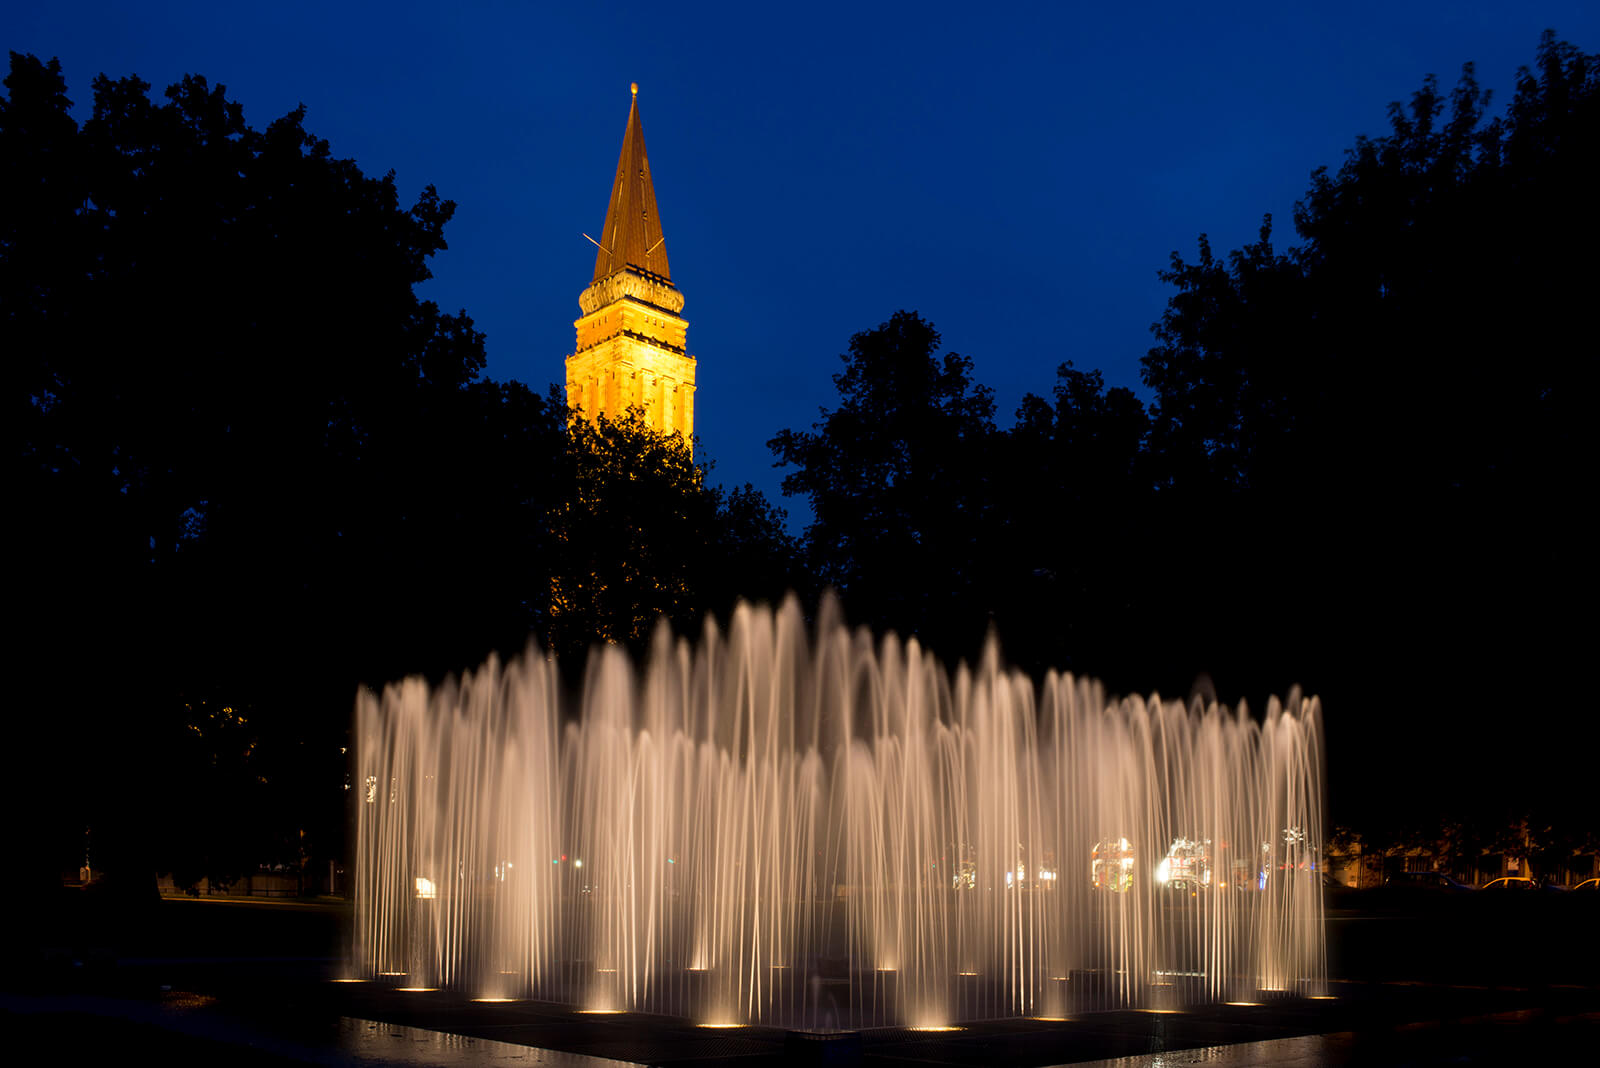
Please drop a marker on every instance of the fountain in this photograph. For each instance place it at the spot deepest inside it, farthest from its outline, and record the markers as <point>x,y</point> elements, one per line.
<point>829,831</point>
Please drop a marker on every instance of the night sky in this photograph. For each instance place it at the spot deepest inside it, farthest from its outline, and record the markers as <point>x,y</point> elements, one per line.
<point>1017,175</point>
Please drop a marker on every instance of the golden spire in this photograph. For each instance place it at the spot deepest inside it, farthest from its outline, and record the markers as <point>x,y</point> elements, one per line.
<point>632,237</point>
<point>631,345</point>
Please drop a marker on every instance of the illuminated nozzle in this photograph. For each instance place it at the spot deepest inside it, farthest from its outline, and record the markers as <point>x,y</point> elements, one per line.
<point>635,87</point>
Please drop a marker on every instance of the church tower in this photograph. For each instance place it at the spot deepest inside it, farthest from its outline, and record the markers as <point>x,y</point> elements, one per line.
<point>631,341</point>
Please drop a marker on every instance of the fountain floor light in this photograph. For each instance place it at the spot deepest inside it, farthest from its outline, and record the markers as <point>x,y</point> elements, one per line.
<point>830,831</point>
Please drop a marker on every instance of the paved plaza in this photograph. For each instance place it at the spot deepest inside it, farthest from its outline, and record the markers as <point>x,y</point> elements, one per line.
<point>272,1000</point>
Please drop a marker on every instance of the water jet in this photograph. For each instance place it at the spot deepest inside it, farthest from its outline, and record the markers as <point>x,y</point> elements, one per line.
<point>822,829</point>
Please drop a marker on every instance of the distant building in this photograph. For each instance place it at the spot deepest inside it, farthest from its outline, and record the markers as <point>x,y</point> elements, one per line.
<point>631,341</point>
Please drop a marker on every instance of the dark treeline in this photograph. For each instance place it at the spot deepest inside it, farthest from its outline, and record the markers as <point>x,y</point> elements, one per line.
<point>1362,470</point>
<point>253,471</point>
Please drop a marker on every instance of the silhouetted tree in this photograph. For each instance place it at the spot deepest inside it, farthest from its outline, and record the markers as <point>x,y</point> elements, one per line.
<point>750,555</point>
<point>252,468</point>
<point>1076,498</point>
<point>625,533</point>
<point>898,477</point>
<point>932,522</point>
<point>639,535</point>
<point>1376,434</point>
<point>1359,472</point>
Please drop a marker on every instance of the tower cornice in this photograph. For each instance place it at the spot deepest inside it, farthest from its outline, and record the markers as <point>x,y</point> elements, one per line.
<point>655,291</point>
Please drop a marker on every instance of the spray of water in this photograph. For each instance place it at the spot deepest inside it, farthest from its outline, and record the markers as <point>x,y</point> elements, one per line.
<point>826,830</point>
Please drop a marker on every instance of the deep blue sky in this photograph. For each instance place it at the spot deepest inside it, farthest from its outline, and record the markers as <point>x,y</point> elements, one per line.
<point>1017,174</point>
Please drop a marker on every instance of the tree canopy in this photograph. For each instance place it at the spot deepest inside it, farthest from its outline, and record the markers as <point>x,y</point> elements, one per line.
<point>254,469</point>
<point>1359,469</point>
<point>896,478</point>
<point>1391,408</point>
<point>640,536</point>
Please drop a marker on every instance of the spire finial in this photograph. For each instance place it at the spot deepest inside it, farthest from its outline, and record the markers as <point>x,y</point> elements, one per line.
<point>632,234</point>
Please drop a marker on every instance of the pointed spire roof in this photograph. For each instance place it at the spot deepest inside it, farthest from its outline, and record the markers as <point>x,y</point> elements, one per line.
<point>632,236</point>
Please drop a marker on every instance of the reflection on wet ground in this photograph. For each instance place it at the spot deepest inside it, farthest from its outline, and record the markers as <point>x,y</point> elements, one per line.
<point>334,1025</point>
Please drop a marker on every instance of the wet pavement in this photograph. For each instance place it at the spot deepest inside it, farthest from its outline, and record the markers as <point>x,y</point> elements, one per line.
<point>334,1024</point>
<point>1427,995</point>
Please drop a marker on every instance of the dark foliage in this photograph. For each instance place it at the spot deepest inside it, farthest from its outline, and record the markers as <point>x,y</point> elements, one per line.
<point>253,470</point>
<point>641,537</point>
<point>898,477</point>
<point>1386,422</point>
<point>1362,470</point>
<point>1077,506</point>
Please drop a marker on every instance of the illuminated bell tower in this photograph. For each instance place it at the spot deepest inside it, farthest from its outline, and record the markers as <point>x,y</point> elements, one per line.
<point>631,341</point>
